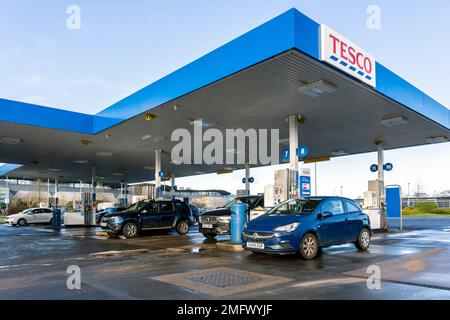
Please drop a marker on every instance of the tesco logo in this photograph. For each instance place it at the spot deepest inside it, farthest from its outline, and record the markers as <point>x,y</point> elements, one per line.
<point>345,55</point>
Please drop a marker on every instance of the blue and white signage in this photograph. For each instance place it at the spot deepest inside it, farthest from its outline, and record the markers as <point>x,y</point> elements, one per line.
<point>388,166</point>
<point>304,182</point>
<point>346,56</point>
<point>374,168</point>
<point>285,155</point>
<point>302,152</point>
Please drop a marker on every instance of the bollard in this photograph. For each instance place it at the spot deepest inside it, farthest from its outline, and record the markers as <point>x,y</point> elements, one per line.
<point>238,219</point>
<point>56,219</point>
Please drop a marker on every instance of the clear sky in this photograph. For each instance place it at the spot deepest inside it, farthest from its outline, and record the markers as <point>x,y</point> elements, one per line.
<point>123,46</point>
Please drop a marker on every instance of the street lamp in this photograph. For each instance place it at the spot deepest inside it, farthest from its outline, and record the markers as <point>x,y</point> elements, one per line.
<point>408,194</point>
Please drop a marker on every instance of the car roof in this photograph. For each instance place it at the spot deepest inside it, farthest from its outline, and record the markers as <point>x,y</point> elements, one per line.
<point>327,197</point>
<point>240,197</point>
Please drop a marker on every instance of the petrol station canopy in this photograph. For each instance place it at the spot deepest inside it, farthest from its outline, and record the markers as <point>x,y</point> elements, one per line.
<point>280,68</point>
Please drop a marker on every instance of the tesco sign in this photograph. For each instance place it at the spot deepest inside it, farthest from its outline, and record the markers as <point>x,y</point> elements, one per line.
<point>346,56</point>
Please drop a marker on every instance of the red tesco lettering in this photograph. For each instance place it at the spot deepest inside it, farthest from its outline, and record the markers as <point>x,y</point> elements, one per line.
<point>350,54</point>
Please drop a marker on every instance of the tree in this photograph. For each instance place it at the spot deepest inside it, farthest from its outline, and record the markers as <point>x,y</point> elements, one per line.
<point>420,189</point>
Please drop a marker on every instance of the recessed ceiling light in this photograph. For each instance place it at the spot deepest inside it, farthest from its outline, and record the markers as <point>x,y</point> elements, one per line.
<point>85,142</point>
<point>100,177</point>
<point>80,161</point>
<point>149,168</point>
<point>54,169</point>
<point>150,117</point>
<point>394,121</point>
<point>118,174</point>
<point>204,124</point>
<point>339,153</point>
<point>317,88</point>
<point>233,151</point>
<point>225,170</point>
<point>440,139</point>
<point>10,140</point>
<point>104,154</point>
<point>149,136</point>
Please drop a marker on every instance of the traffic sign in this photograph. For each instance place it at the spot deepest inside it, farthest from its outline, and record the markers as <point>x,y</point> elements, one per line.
<point>388,166</point>
<point>302,151</point>
<point>374,168</point>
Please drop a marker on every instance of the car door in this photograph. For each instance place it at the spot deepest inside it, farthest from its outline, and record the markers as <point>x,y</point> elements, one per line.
<point>34,216</point>
<point>149,217</point>
<point>167,214</point>
<point>42,216</point>
<point>334,229</point>
<point>354,219</point>
<point>46,215</point>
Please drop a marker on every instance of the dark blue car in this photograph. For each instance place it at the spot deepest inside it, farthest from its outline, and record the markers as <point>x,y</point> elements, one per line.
<point>305,225</point>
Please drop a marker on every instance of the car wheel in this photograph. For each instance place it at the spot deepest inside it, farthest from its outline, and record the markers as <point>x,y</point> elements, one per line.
<point>21,222</point>
<point>130,230</point>
<point>363,241</point>
<point>309,246</point>
<point>182,227</point>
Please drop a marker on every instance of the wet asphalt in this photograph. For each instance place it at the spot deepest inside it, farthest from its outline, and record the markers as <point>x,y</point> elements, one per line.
<point>34,260</point>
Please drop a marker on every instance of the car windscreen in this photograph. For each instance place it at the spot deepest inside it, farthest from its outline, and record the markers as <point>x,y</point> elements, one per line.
<point>250,201</point>
<point>135,207</point>
<point>297,206</point>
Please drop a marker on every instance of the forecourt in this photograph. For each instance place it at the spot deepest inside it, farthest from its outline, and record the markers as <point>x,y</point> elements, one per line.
<point>288,67</point>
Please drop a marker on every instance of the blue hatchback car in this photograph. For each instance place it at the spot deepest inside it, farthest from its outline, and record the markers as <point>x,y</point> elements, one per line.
<point>305,225</point>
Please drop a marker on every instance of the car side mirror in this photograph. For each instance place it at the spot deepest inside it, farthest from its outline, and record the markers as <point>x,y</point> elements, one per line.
<point>324,215</point>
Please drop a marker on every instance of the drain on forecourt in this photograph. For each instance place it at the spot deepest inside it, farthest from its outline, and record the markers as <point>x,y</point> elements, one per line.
<point>220,282</point>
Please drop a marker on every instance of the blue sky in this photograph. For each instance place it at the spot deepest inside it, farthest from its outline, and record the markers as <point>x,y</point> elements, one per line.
<point>125,45</point>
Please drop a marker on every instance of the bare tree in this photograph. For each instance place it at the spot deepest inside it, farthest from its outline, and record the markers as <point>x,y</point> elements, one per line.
<point>420,189</point>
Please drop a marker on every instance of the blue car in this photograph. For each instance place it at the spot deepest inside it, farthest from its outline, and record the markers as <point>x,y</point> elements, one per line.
<point>306,225</point>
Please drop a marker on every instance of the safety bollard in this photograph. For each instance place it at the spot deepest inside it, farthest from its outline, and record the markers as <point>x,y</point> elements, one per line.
<point>238,219</point>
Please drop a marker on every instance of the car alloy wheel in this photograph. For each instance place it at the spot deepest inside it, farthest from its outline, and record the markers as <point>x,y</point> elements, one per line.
<point>130,230</point>
<point>309,246</point>
<point>21,222</point>
<point>363,240</point>
<point>182,227</point>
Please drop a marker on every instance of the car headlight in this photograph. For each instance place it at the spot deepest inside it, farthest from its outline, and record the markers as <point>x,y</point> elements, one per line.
<point>288,228</point>
<point>224,219</point>
<point>115,219</point>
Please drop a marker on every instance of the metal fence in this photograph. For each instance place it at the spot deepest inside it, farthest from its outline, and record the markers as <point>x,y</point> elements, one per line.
<point>443,202</point>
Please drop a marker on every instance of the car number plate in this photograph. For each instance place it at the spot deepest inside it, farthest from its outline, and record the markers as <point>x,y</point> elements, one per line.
<point>207,226</point>
<point>103,224</point>
<point>255,245</point>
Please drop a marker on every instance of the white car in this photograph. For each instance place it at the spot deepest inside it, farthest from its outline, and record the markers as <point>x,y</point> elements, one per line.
<point>31,216</point>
